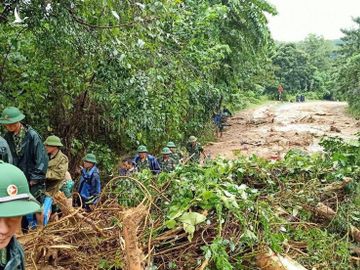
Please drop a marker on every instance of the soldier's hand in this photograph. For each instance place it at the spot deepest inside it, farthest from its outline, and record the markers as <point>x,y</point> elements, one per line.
<point>32,183</point>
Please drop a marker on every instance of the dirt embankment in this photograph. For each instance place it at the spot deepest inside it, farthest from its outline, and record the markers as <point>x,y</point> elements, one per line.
<point>272,130</point>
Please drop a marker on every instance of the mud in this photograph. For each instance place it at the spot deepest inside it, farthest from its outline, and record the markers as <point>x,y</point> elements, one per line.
<point>271,130</point>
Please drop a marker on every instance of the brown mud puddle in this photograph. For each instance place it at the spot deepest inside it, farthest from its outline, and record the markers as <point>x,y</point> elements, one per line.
<point>270,131</point>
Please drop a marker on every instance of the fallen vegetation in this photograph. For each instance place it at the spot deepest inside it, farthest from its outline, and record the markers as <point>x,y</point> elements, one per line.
<point>248,213</point>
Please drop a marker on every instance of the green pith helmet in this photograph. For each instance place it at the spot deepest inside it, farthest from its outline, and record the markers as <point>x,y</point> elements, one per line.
<point>53,141</point>
<point>192,139</point>
<point>90,158</point>
<point>166,151</point>
<point>15,197</point>
<point>11,115</point>
<point>142,149</point>
<point>171,145</point>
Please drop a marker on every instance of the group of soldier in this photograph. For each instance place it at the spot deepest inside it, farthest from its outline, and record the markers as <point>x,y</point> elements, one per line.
<point>170,158</point>
<point>33,171</point>
<point>45,167</point>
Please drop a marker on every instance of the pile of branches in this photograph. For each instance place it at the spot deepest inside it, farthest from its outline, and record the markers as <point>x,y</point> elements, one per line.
<point>87,240</point>
<point>226,215</point>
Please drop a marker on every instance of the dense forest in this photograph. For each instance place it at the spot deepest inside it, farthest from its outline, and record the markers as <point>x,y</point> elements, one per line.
<point>112,75</point>
<point>134,72</point>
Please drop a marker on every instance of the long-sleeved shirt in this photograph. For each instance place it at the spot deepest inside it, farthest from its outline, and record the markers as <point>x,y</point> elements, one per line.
<point>90,186</point>
<point>5,153</point>
<point>29,155</point>
<point>150,163</point>
<point>55,175</point>
<point>15,256</point>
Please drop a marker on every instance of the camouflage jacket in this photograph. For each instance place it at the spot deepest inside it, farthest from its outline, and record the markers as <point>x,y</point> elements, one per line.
<point>195,152</point>
<point>29,154</point>
<point>167,165</point>
<point>55,175</point>
<point>5,153</point>
<point>15,256</point>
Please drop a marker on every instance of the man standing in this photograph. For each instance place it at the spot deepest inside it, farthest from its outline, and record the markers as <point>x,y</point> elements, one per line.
<point>175,155</point>
<point>146,161</point>
<point>90,186</point>
<point>218,121</point>
<point>195,150</point>
<point>55,175</point>
<point>58,165</point>
<point>27,150</point>
<point>280,92</point>
<point>15,202</point>
<point>167,164</point>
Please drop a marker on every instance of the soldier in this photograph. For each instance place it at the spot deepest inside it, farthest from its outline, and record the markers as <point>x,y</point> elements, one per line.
<point>144,160</point>
<point>175,155</point>
<point>167,164</point>
<point>195,150</point>
<point>90,186</point>
<point>55,175</point>
<point>58,165</point>
<point>15,201</point>
<point>218,121</point>
<point>28,152</point>
<point>127,167</point>
<point>5,153</point>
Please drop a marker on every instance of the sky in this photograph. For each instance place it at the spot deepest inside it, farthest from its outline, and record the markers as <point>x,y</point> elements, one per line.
<point>298,18</point>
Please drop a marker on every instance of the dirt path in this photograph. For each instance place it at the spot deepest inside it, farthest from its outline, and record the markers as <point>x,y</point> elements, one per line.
<point>271,130</point>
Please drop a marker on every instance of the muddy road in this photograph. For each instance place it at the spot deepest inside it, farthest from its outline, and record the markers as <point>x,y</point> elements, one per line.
<point>271,130</point>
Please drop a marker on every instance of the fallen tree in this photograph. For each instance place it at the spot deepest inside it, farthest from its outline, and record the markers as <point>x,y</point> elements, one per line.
<point>226,215</point>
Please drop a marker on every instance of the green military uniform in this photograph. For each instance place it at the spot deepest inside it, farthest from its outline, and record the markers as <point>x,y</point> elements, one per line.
<point>194,150</point>
<point>143,165</point>
<point>175,155</point>
<point>57,167</point>
<point>27,150</point>
<point>167,163</point>
<point>16,201</point>
<point>150,162</point>
<point>5,153</point>
<point>13,256</point>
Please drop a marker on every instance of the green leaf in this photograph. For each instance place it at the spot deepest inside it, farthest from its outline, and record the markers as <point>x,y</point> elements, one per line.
<point>170,224</point>
<point>192,218</point>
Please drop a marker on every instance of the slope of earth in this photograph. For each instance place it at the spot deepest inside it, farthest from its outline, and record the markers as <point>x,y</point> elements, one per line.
<point>270,131</point>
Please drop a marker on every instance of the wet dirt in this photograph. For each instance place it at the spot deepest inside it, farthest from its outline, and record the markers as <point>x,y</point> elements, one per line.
<point>271,130</point>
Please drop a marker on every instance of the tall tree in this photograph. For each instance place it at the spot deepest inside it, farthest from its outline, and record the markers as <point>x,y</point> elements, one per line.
<point>347,79</point>
<point>119,72</point>
<point>293,68</point>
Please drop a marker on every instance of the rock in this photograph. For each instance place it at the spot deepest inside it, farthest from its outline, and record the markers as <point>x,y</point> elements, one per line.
<point>335,129</point>
<point>271,261</point>
<point>324,211</point>
<point>337,185</point>
<point>355,233</point>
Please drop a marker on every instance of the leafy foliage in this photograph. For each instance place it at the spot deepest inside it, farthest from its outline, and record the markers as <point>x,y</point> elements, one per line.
<point>305,66</point>
<point>227,210</point>
<point>121,73</point>
<point>347,81</point>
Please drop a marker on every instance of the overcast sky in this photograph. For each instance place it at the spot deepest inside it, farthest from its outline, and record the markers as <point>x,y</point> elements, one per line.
<point>298,18</point>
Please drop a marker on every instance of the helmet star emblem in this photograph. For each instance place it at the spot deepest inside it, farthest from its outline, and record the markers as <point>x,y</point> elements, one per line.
<point>12,190</point>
